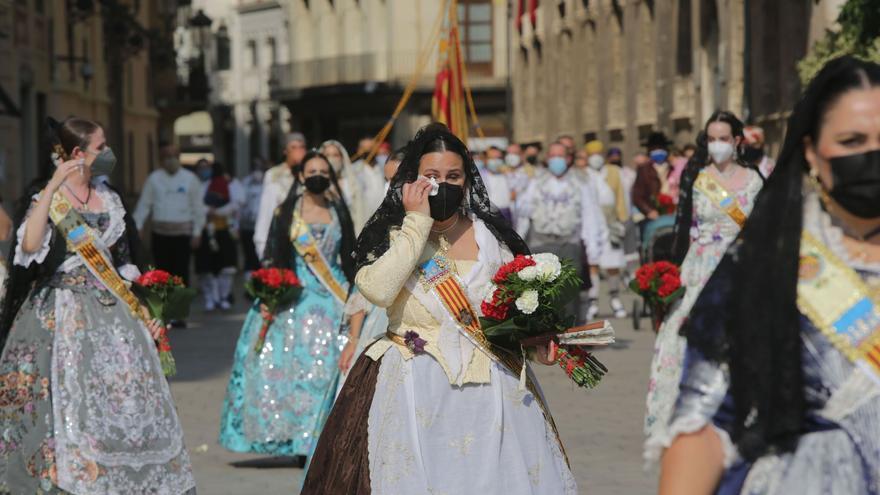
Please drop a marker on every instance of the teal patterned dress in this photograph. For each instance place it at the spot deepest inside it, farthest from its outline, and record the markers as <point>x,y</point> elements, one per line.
<point>277,400</point>
<point>84,406</point>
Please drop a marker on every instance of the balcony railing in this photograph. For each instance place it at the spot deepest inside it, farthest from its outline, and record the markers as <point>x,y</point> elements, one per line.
<point>395,67</point>
<point>344,69</point>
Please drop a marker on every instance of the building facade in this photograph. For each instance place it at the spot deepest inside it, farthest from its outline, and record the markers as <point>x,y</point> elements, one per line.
<point>246,39</point>
<point>350,60</point>
<point>57,63</point>
<point>617,70</point>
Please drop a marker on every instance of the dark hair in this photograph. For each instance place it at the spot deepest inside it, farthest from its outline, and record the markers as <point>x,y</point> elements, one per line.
<point>71,133</point>
<point>278,252</point>
<point>684,214</point>
<point>217,170</point>
<point>436,137</point>
<point>398,154</point>
<point>300,168</point>
<point>754,299</point>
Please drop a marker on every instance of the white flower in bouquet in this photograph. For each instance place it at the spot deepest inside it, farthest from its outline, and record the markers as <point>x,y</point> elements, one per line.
<point>529,273</point>
<point>527,302</point>
<point>548,266</point>
<point>490,292</point>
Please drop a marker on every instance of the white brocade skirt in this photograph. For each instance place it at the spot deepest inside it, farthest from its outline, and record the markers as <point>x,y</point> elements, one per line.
<point>427,436</point>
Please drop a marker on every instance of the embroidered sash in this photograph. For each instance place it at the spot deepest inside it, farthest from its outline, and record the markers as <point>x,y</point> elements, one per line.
<point>81,239</point>
<point>712,188</point>
<point>307,247</point>
<point>840,305</point>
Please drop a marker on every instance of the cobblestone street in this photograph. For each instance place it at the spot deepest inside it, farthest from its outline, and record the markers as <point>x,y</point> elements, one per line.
<point>601,429</point>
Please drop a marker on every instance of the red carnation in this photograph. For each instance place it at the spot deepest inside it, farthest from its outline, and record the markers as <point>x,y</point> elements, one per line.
<point>669,283</point>
<point>512,267</point>
<point>494,311</point>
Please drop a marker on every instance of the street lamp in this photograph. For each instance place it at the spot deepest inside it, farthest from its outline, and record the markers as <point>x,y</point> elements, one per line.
<point>201,24</point>
<point>198,76</point>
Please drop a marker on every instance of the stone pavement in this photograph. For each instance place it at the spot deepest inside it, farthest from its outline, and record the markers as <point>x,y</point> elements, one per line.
<point>601,429</point>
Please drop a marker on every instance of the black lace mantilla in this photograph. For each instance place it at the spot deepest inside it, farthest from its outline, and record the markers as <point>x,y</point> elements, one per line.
<point>374,239</point>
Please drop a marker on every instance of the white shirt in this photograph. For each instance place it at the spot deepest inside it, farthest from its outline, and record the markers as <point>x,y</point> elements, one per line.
<point>172,199</point>
<point>498,187</point>
<point>628,178</point>
<point>372,181</point>
<point>252,187</point>
<point>563,206</point>
<point>276,184</point>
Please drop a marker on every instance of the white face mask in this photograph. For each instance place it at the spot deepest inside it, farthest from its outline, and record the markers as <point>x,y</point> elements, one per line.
<point>720,151</point>
<point>512,160</point>
<point>595,162</point>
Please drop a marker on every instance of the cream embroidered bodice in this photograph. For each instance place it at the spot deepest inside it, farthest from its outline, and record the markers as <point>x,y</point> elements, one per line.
<point>384,284</point>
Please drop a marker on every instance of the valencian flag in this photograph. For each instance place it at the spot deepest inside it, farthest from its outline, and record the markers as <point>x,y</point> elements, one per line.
<point>449,105</point>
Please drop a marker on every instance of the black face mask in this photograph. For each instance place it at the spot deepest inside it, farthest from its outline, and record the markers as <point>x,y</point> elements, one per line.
<point>446,202</point>
<point>533,159</point>
<point>752,155</point>
<point>857,183</point>
<point>317,184</point>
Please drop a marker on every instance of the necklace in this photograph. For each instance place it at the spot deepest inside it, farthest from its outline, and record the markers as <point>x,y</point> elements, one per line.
<point>84,204</point>
<point>447,229</point>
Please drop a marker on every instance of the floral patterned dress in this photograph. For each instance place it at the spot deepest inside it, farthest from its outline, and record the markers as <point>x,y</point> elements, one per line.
<point>84,406</point>
<point>712,231</point>
<point>277,400</point>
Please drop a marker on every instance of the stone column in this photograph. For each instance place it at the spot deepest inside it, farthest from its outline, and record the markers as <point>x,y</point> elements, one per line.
<point>631,74</point>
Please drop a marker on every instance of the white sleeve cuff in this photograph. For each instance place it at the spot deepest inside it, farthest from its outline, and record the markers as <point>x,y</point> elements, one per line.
<point>25,259</point>
<point>656,445</point>
<point>129,272</point>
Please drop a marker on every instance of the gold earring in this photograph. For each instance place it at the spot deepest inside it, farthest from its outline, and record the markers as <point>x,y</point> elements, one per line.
<point>817,185</point>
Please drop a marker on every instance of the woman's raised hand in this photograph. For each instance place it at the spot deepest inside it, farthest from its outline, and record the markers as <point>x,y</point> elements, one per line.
<point>62,172</point>
<point>415,196</point>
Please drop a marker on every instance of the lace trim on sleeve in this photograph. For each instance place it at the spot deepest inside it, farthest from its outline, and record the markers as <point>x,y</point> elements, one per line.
<point>356,303</point>
<point>23,258</point>
<point>685,425</point>
<point>116,210</point>
<point>129,272</point>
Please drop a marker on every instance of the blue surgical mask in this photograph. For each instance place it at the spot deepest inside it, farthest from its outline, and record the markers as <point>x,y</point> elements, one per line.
<point>494,164</point>
<point>205,174</point>
<point>659,156</point>
<point>557,166</point>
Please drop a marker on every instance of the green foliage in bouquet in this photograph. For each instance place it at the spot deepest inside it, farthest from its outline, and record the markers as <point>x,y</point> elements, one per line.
<point>528,299</point>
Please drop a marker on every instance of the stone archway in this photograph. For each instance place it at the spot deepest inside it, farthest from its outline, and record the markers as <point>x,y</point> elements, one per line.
<point>193,135</point>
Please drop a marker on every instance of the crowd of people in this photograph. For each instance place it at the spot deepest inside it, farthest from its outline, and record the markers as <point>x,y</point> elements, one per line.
<point>764,377</point>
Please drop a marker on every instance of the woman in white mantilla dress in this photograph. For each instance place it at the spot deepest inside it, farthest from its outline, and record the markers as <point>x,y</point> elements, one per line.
<point>704,228</point>
<point>431,408</point>
<point>84,406</point>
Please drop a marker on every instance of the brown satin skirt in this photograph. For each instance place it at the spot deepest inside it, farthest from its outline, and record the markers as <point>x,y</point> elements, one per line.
<point>341,464</point>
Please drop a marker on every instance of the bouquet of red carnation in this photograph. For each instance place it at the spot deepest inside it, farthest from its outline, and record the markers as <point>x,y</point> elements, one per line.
<point>167,298</point>
<point>526,307</point>
<point>664,204</point>
<point>274,287</point>
<point>659,283</point>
